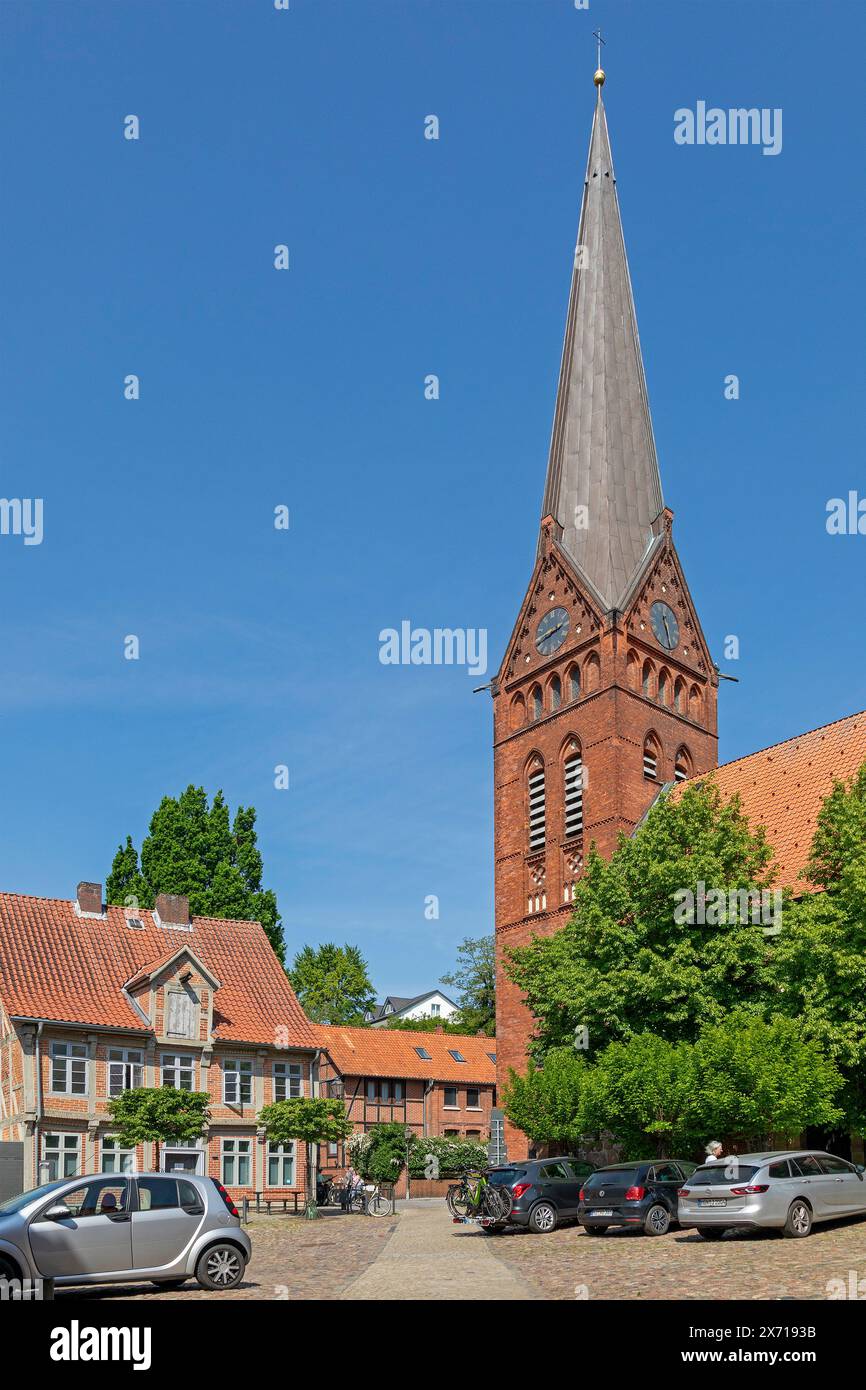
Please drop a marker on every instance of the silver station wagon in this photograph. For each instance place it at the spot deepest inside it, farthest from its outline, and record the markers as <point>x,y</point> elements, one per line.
<point>118,1228</point>
<point>789,1191</point>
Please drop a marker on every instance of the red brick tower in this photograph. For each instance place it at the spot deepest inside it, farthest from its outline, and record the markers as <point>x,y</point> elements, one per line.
<point>607,691</point>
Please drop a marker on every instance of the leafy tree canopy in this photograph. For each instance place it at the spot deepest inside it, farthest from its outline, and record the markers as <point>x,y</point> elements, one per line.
<point>428,1025</point>
<point>548,1102</point>
<point>624,964</point>
<point>195,849</point>
<point>315,1120</point>
<point>163,1114</point>
<point>332,983</point>
<point>474,981</point>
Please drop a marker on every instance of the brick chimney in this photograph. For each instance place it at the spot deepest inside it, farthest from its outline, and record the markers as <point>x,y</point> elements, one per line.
<point>440,1028</point>
<point>89,898</point>
<point>173,908</point>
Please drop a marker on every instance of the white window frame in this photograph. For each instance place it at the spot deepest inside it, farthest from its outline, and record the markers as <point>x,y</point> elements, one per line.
<point>68,1056</point>
<point>231,1153</point>
<point>288,1079</point>
<point>131,1064</point>
<point>281,1154</point>
<point>67,1145</point>
<point>116,1153</point>
<point>240,1071</point>
<point>175,1063</point>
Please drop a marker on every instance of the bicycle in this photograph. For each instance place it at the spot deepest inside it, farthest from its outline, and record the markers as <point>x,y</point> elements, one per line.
<point>475,1198</point>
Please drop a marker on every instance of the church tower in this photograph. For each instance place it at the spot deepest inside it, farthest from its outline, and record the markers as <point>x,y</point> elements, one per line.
<point>607,691</point>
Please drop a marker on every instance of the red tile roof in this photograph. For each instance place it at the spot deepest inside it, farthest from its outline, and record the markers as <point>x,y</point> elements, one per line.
<point>392,1052</point>
<point>57,965</point>
<point>782,788</point>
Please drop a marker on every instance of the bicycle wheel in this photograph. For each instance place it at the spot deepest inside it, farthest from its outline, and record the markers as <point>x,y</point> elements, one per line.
<point>380,1206</point>
<point>458,1200</point>
<point>498,1203</point>
<point>358,1202</point>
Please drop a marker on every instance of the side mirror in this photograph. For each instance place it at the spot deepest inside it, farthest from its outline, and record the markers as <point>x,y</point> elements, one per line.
<point>860,1170</point>
<point>59,1212</point>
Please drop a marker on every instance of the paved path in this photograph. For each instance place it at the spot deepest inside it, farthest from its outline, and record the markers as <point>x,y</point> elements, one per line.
<point>430,1258</point>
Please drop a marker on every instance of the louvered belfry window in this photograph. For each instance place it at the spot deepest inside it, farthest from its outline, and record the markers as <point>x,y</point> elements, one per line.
<point>574,795</point>
<point>650,761</point>
<point>536,809</point>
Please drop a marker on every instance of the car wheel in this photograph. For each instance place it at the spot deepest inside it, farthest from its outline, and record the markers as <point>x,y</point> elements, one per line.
<point>8,1270</point>
<point>657,1221</point>
<point>799,1222</point>
<point>710,1232</point>
<point>220,1267</point>
<point>542,1218</point>
<point>169,1283</point>
<point>595,1230</point>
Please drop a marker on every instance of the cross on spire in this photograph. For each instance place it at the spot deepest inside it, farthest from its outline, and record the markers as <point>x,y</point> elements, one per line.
<point>596,34</point>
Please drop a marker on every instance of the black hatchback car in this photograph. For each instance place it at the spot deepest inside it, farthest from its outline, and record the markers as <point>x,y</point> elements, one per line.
<point>633,1194</point>
<point>544,1191</point>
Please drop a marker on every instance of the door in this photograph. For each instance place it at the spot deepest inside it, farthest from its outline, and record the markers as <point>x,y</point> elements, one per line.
<point>96,1236</point>
<point>666,1179</point>
<point>845,1189</point>
<point>558,1186</point>
<point>815,1184</point>
<point>170,1213</point>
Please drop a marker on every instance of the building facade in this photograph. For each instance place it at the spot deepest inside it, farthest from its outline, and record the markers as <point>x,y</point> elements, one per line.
<point>607,690</point>
<point>395,1008</point>
<point>95,1000</point>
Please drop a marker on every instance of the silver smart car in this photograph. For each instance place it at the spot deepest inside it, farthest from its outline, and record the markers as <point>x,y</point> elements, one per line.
<point>790,1190</point>
<point>113,1228</point>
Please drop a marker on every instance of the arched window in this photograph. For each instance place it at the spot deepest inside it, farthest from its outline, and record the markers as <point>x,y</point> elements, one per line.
<point>695,702</point>
<point>680,699</point>
<point>573,779</point>
<point>648,679</point>
<point>555,693</point>
<point>651,754</point>
<point>682,765</point>
<point>664,687</point>
<point>633,670</point>
<point>536,702</point>
<point>518,712</point>
<point>536,806</point>
<point>591,673</point>
<point>574,683</point>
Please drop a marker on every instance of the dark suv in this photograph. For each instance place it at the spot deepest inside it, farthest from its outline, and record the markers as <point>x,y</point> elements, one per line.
<point>545,1191</point>
<point>633,1194</point>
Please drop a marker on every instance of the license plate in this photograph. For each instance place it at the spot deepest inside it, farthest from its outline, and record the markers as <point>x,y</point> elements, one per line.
<point>607,1212</point>
<point>713,1202</point>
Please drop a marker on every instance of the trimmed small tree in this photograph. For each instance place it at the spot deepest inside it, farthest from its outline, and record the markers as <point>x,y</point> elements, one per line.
<point>547,1102</point>
<point>310,1121</point>
<point>159,1114</point>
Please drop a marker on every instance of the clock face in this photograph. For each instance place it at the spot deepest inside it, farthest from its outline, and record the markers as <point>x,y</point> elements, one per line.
<point>551,631</point>
<point>665,625</point>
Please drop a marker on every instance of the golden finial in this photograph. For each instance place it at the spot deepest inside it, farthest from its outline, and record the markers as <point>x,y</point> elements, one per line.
<point>598,79</point>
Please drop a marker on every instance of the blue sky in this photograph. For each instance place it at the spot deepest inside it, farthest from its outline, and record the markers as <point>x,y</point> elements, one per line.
<point>305,388</point>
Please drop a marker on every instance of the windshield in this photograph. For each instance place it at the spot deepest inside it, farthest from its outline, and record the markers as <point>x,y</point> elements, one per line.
<point>16,1203</point>
<point>722,1174</point>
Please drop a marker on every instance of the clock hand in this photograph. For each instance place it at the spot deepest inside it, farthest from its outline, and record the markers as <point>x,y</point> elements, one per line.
<point>667,629</point>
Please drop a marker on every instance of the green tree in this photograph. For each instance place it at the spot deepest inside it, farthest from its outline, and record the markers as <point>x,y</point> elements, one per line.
<point>428,1025</point>
<point>161,1114</point>
<point>474,981</point>
<point>548,1103</point>
<point>444,1156</point>
<point>194,848</point>
<point>642,1091</point>
<point>625,964</point>
<point>382,1157</point>
<point>310,1121</point>
<point>332,983</point>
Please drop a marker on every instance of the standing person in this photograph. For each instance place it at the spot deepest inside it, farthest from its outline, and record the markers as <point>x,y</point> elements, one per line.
<point>714,1152</point>
<point>349,1182</point>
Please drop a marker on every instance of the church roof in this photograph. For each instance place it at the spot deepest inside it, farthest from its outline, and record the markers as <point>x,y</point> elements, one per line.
<point>782,788</point>
<point>602,451</point>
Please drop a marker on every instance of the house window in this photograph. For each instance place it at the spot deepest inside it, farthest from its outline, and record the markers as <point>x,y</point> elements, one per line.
<point>180,1014</point>
<point>178,1070</point>
<point>555,693</point>
<point>682,765</point>
<point>452,1134</point>
<point>237,1082</point>
<point>650,759</point>
<point>236,1163</point>
<point>62,1153</point>
<point>423,1054</point>
<point>124,1070</point>
<point>474,1134</point>
<point>281,1165</point>
<point>536,809</point>
<point>69,1069</point>
<point>492,1056</point>
<point>287,1080</point>
<point>472,1099</point>
<point>574,795</point>
<point>435,1010</point>
<point>451,1097</point>
<point>114,1158</point>
<point>385,1091</point>
<point>458,1056</point>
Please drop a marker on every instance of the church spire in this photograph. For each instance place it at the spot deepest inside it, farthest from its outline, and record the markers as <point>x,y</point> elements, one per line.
<point>603,484</point>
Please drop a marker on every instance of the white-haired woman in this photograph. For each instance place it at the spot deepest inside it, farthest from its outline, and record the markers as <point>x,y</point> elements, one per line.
<point>714,1151</point>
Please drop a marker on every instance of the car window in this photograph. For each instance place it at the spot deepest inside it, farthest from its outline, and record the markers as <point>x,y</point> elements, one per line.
<point>613,1177</point>
<point>554,1172</point>
<point>504,1177</point>
<point>686,1168</point>
<point>780,1169</point>
<point>665,1172</point>
<point>807,1166</point>
<point>103,1197</point>
<point>23,1199</point>
<point>157,1194</point>
<point>579,1168</point>
<point>831,1164</point>
<point>189,1195</point>
<point>722,1174</point>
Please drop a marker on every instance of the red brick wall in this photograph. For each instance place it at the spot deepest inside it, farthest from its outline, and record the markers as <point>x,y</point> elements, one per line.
<point>610,720</point>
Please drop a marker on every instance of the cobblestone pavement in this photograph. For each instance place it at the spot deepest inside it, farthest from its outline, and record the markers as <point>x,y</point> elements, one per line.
<point>568,1264</point>
<point>419,1254</point>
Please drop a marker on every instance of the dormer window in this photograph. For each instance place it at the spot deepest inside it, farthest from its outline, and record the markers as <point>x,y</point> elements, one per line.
<point>179,1014</point>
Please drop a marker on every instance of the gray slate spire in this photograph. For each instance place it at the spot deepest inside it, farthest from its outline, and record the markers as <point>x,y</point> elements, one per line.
<point>602,451</point>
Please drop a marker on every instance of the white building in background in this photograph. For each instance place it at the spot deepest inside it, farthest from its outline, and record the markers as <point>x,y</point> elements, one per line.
<point>433,1004</point>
